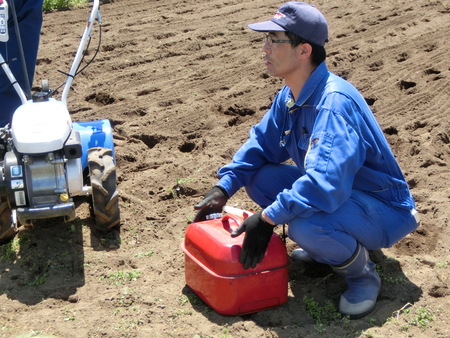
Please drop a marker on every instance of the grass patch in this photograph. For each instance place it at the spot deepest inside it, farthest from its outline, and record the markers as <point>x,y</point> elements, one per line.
<point>321,314</point>
<point>38,280</point>
<point>390,277</point>
<point>144,254</point>
<point>8,252</point>
<point>442,265</point>
<point>50,5</point>
<point>423,318</point>
<point>121,277</point>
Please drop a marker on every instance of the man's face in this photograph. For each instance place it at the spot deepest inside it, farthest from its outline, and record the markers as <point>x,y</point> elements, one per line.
<point>281,57</point>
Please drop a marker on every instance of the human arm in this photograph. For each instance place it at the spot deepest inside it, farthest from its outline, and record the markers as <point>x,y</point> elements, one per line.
<point>261,147</point>
<point>336,153</point>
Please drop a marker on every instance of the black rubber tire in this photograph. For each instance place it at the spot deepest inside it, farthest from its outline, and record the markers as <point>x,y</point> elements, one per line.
<point>7,231</point>
<point>105,197</point>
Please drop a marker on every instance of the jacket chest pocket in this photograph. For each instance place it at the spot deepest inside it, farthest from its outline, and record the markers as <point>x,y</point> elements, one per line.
<point>305,123</point>
<point>303,140</point>
<point>319,152</point>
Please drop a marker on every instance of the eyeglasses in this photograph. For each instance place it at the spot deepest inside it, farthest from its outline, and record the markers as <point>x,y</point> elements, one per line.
<point>270,40</point>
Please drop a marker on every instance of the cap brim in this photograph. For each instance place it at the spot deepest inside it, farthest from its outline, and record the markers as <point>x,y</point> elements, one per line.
<point>266,26</point>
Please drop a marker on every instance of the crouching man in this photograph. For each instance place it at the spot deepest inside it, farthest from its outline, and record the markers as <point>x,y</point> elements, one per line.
<point>345,194</point>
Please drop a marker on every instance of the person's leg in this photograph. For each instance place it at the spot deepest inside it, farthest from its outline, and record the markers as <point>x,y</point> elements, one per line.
<point>332,238</point>
<point>270,181</point>
<point>340,239</point>
<point>29,17</point>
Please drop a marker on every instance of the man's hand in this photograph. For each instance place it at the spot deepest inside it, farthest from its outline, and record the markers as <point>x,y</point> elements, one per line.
<point>213,203</point>
<point>257,237</point>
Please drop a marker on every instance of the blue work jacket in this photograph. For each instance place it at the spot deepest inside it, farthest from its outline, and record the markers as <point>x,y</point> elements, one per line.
<point>334,139</point>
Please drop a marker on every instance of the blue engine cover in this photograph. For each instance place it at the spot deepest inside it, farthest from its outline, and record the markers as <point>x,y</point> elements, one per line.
<point>94,134</point>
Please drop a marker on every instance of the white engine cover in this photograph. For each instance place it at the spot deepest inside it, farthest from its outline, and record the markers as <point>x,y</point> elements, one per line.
<point>40,127</point>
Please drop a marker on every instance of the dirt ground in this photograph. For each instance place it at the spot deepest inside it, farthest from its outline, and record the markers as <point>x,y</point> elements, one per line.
<point>182,82</point>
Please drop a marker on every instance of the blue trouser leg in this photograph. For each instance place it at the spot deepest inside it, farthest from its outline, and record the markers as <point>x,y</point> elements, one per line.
<point>29,16</point>
<point>332,238</point>
<point>271,180</point>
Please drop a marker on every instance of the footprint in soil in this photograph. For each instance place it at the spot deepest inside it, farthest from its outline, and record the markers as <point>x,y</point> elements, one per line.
<point>101,98</point>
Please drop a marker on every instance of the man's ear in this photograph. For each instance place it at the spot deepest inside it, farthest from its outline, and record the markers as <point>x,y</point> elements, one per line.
<point>304,50</point>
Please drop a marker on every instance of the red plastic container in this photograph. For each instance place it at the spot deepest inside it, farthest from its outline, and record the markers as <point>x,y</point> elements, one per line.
<point>213,271</point>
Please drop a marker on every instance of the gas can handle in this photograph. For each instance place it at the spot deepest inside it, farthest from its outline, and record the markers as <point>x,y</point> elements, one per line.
<point>235,214</point>
<point>226,222</point>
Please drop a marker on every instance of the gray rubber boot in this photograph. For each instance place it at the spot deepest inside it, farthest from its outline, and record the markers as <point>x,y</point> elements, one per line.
<point>363,284</point>
<point>301,256</point>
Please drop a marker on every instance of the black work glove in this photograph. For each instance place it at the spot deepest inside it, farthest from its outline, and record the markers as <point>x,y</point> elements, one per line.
<point>257,237</point>
<point>213,203</point>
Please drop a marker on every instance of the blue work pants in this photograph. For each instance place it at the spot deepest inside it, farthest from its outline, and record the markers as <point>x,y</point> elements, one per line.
<point>331,238</point>
<point>29,17</point>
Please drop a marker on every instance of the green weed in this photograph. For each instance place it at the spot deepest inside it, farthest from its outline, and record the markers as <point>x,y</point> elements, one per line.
<point>390,279</point>
<point>442,265</point>
<point>321,314</point>
<point>423,318</point>
<point>179,188</point>
<point>38,280</point>
<point>50,5</point>
<point>121,277</point>
<point>144,254</point>
<point>8,252</point>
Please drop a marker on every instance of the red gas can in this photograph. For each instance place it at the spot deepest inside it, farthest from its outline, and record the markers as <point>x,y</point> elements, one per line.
<point>213,271</point>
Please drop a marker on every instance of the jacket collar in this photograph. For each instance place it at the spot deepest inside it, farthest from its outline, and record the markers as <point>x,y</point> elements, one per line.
<point>315,79</point>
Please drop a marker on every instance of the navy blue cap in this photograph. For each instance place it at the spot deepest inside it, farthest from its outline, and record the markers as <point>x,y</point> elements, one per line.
<point>302,19</point>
